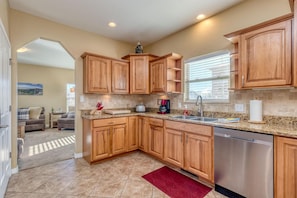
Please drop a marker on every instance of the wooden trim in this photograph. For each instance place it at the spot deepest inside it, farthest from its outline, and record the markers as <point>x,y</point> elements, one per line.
<point>100,56</point>
<point>260,25</point>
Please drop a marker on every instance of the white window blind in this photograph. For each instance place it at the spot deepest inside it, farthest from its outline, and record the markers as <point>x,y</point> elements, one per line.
<point>208,76</point>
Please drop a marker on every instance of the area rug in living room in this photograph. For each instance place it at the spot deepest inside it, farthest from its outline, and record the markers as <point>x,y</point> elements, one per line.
<point>175,184</point>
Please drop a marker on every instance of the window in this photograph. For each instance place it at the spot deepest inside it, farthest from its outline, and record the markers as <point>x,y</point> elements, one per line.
<point>208,76</point>
<point>70,97</point>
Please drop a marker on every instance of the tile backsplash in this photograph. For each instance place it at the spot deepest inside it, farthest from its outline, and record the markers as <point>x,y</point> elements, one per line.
<point>275,102</point>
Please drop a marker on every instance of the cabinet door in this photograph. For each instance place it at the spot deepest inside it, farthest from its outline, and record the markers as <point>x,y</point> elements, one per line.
<point>132,138</point>
<point>139,75</point>
<point>156,141</point>
<point>158,79</point>
<point>286,167</point>
<point>97,72</point>
<point>119,139</point>
<point>120,77</point>
<point>199,155</point>
<point>173,147</point>
<point>101,143</point>
<point>266,56</point>
<point>143,133</point>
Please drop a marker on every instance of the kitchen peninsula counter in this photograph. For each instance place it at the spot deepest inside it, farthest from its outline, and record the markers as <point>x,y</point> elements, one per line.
<point>273,129</point>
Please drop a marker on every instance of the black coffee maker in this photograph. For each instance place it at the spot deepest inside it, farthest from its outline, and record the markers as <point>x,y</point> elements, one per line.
<point>164,107</point>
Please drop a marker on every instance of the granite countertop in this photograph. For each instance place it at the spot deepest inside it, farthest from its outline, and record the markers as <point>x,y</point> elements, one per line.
<point>273,129</point>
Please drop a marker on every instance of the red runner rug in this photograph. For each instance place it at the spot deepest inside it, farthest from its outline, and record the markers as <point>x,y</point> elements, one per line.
<point>175,184</point>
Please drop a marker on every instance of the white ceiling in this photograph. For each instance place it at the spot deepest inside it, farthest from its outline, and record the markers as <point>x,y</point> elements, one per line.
<point>137,20</point>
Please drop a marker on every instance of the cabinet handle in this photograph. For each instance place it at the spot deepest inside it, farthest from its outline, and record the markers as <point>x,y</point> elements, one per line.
<point>242,80</point>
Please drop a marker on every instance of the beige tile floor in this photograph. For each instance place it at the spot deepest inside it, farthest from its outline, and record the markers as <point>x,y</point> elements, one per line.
<point>119,177</point>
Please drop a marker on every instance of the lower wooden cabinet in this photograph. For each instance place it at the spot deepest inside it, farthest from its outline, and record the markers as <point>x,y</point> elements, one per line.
<point>104,138</point>
<point>190,146</point>
<point>285,175</point>
<point>132,134</point>
<point>143,128</point>
<point>156,137</point>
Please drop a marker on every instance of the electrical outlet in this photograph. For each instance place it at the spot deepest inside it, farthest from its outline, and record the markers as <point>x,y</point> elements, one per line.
<point>179,105</point>
<point>239,107</point>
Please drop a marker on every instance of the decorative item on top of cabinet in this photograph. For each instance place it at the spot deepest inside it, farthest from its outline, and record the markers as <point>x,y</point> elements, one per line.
<point>264,54</point>
<point>139,72</point>
<point>165,74</point>
<point>105,75</point>
<point>285,164</point>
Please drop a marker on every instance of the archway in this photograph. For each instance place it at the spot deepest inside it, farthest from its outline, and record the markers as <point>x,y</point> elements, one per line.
<point>48,65</point>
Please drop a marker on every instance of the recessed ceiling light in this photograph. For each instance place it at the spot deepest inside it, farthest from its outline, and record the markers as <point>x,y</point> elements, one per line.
<point>22,49</point>
<point>200,16</point>
<point>112,24</point>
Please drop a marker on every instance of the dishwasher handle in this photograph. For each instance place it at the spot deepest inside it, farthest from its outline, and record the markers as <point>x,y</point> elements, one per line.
<point>224,135</point>
<point>234,137</point>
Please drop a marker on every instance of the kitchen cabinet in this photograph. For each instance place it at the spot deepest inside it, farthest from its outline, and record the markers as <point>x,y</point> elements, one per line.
<point>105,75</point>
<point>119,77</point>
<point>262,55</point>
<point>285,167</point>
<point>132,135</point>
<point>143,128</point>
<point>104,138</point>
<point>190,146</point>
<point>165,74</point>
<point>156,137</point>
<point>139,72</point>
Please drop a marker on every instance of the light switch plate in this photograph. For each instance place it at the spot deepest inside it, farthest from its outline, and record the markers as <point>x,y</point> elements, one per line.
<point>239,107</point>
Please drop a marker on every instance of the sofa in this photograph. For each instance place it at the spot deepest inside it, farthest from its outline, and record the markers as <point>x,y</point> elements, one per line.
<point>34,118</point>
<point>66,121</point>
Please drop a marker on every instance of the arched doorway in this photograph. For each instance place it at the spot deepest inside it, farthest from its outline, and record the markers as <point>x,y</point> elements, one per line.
<point>45,64</point>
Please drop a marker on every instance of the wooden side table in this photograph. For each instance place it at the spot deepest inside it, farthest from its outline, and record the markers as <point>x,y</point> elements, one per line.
<point>53,117</point>
<point>21,129</point>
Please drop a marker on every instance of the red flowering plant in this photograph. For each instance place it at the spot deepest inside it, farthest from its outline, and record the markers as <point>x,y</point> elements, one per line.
<point>99,106</point>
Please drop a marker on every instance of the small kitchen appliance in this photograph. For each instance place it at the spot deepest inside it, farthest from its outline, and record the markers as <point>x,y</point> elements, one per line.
<point>164,107</point>
<point>140,108</point>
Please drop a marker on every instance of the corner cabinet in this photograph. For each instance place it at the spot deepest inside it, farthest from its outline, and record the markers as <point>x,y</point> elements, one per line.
<point>143,127</point>
<point>105,75</point>
<point>132,134</point>
<point>139,72</point>
<point>263,55</point>
<point>190,146</point>
<point>104,138</point>
<point>165,74</point>
<point>285,167</point>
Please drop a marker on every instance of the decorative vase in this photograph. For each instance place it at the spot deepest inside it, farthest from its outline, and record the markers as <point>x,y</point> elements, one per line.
<point>139,48</point>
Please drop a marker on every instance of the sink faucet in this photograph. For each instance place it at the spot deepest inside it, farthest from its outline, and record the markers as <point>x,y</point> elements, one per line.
<point>199,103</point>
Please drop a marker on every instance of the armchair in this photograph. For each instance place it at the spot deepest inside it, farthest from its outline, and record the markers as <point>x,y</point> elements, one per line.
<point>66,121</point>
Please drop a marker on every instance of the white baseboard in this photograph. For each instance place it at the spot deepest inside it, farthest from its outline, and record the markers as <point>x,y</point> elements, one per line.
<point>78,155</point>
<point>15,170</point>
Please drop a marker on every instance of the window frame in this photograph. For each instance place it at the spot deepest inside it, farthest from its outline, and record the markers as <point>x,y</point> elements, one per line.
<point>197,58</point>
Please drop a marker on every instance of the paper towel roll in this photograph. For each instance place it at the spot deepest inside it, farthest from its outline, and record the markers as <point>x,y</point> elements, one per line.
<point>256,110</point>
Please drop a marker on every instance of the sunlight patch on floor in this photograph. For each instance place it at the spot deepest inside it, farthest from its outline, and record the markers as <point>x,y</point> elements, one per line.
<point>51,145</point>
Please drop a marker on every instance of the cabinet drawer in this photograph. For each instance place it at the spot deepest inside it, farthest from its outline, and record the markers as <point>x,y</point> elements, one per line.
<point>187,127</point>
<point>156,122</point>
<point>109,121</point>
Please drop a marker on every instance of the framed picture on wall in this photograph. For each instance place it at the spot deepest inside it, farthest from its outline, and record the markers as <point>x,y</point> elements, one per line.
<point>30,89</point>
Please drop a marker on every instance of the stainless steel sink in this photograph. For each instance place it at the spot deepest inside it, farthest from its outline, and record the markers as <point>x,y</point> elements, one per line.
<point>203,119</point>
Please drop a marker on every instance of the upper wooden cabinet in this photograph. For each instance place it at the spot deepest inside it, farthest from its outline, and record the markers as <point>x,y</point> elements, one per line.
<point>263,54</point>
<point>139,72</point>
<point>165,74</point>
<point>105,75</point>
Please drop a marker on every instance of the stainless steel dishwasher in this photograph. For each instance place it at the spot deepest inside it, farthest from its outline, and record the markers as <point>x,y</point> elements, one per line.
<point>243,163</point>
